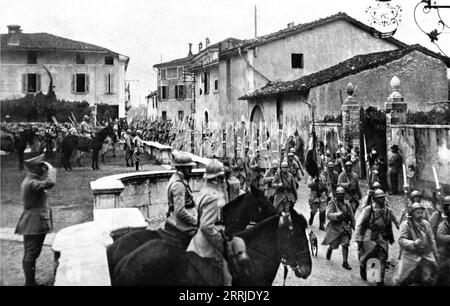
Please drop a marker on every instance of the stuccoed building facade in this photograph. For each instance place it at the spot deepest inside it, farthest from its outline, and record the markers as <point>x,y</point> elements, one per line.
<point>79,71</point>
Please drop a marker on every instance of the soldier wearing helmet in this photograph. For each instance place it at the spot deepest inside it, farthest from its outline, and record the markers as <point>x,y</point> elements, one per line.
<point>269,176</point>
<point>339,230</point>
<point>443,244</point>
<point>286,189</point>
<point>239,168</point>
<point>256,169</point>
<point>317,198</point>
<point>208,241</point>
<point>182,215</point>
<point>296,159</point>
<point>349,181</point>
<point>377,218</point>
<point>418,260</point>
<point>295,167</point>
<point>415,197</point>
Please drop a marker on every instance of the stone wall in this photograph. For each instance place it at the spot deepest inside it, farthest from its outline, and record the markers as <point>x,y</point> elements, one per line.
<point>425,146</point>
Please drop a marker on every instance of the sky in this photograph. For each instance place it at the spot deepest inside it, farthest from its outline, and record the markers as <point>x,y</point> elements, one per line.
<point>149,31</point>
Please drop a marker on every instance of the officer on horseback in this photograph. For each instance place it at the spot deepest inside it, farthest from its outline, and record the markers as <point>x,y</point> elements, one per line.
<point>181,220</point>
<point>86,128</point>
<point>210,240</point>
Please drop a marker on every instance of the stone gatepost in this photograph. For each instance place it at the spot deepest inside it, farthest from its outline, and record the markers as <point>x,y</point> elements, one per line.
<point>395,115</point>
<point>395,106</point>
<point>350,118</point>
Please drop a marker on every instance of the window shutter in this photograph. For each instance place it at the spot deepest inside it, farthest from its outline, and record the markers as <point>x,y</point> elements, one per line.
<point>182,94</point>
<point>111,82</point>
<point>74,79</point>
<point>24,83</point>
<point>106,83</point>
<point>38,82</point>
<point>86,79</point>
<point>159,93</point>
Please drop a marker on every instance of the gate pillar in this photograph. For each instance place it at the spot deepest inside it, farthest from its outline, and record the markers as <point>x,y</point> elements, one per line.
<point>395,106</point>
<point>351,119</point>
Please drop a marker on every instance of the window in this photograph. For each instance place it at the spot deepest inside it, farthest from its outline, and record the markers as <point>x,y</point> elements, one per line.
<point>31,83</point>
<point>297,60</point>
<point>79,59</point>
<point>180,115</point>
<point>163,92</point>
<point>109,60</point>
<point>31,57</point>
<point>205,80</point>
<point>216,85</point>
<point>109,83</point>
<point>180,72</point>
<point>228,73</point>
<point>164,115</point>
<point>80,83</point>
<point>163,74</point>
<point>172,73</point>
<point>180,92</point>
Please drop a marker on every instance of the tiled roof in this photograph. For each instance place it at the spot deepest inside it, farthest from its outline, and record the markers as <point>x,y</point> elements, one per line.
<point>186,60</point>
<point>250,43</point>
<point>45,41</point>
<point>348,67</point>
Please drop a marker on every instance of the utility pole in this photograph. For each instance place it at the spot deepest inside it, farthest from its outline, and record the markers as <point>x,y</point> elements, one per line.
<point>256,23</point>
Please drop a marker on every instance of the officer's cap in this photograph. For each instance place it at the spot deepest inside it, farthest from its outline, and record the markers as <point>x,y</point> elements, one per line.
<point>32,163</point>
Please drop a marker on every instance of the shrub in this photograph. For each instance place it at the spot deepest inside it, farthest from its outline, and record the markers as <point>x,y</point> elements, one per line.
<point>436,116</point>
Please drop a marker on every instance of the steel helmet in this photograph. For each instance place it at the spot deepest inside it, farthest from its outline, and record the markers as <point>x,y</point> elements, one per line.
<point>85,117</point>
<point>330,165</point>
<point>376,185</point>
<point>415,193</point>
<point>292,150</point>
<point>275,163</point>
<point>284,164</point>
<point>139,132</point>
<point>340,190</point>
<point>214,169</point>
<point>415,206</point>
<point>183,159</point>
<point>378,194</point>
<point>348,164</point>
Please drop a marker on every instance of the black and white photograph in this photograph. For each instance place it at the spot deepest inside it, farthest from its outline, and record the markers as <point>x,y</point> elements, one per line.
<point>222,143</point>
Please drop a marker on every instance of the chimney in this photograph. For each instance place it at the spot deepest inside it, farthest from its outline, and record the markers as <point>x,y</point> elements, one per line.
<point>13,34</point>
<point>290,25</point>
<point>206,42</point>
<point>200,47</point>
<point>190,50</point>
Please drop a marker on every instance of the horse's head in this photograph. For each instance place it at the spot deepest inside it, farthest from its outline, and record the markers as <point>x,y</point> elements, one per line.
<point>294,244</point>
<point>266,209</point>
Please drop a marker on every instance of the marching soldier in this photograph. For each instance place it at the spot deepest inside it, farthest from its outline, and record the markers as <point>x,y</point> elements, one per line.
<point>349,181</point>
<point>415,197</point>
<point>443,245</point>
<point>297,160</point>
<point>339,229</point>
<point>418,260</point>
<point>269,176</point>
<point>294,168</point>
<point>181,220</point>
<point>36,219</point>
<point>286,189</point>
<point>332,179</point>
<point>317,198</point>
<point>86,128</point>
<point>376,219</point>
<point>257,169</point>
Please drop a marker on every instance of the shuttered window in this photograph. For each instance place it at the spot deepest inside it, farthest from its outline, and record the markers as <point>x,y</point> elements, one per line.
<point>31,57</point>
<point>162,93</point>
<point>180,72</point>
<point>109,83</point>
<point>80,83</point>
<point>31,83</point>
<point>172,73</point>
<point>163,74</point>
<point>180,92</point>
<point>79,59</point>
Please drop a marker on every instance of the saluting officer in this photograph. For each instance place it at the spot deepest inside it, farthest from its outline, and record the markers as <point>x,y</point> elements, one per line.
<point>36,219</point>
<point>182,215</point>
